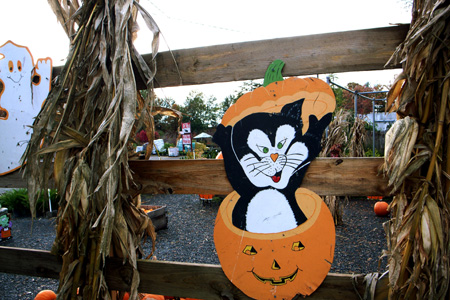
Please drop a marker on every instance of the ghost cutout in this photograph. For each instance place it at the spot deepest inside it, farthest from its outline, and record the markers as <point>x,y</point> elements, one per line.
<point>23,88</point>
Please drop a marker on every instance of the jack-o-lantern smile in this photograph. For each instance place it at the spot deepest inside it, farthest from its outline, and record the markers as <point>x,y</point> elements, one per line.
<point>281,281</point>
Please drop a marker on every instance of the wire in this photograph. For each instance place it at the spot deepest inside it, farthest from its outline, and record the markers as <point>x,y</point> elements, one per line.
<point>193,22</point>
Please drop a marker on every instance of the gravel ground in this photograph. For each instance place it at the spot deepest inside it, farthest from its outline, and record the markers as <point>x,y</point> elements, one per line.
<point>189,238</point>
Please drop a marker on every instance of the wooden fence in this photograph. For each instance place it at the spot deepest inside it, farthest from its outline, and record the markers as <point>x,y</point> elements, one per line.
<point>315,54</point>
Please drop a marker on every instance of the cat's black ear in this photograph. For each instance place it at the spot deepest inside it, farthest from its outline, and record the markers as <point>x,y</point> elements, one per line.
<point>293,110</point>
<point>222,135</point>
<point>317,127</point>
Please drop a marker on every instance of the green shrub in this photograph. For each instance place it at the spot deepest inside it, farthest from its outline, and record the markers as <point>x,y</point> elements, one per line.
<point>369,153</point>
<point>17,202</point>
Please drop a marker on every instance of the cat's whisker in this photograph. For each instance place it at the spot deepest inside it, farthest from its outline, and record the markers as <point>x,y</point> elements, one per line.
<point>296,160</point>
<point>249,158</point>
<point>291,164</point>
<point>257,168</point>
<point>255,163</point>
<point>289,154</point>
<point>261,171</point>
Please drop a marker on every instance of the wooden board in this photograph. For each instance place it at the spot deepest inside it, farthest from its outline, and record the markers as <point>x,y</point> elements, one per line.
<point>175,279</point>
<point>325,176</point>
<point>358,50</point>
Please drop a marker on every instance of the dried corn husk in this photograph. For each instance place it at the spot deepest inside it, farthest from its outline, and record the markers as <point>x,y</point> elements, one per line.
<point>85,125</point>
<point>417,160</point>
<point>357,140</point>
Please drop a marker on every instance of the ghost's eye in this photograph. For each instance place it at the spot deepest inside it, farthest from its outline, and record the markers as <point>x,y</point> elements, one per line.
<point>297,246</point>
<point>19,65</point>
<point>11,66</point>
<point>250,250</point>
<point>264,150</point>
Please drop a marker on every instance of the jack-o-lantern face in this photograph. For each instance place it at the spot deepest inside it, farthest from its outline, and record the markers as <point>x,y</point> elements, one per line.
<point>277,265</point>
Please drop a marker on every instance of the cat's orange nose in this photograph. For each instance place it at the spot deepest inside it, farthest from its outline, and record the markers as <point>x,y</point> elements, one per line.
<point>274,156</point>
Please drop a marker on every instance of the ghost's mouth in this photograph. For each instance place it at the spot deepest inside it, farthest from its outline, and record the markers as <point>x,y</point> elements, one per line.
<point>276,178</point>
<point>272,281</point>
<point>12,79</point>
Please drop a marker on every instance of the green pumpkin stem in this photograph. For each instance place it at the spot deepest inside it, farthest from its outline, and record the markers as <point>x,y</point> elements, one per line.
<point>273,72</point>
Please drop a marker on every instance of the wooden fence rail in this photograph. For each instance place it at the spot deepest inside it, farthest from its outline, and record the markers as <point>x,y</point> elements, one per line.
<point>325,176</point>
<point>200,281</point>
<point>357,50</point>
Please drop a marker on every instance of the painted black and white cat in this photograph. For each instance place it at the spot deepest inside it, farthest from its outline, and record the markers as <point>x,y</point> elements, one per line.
<point>266,157</point>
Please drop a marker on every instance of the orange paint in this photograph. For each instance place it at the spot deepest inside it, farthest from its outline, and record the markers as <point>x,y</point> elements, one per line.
<point>319,100</point>
<point>277,265</point>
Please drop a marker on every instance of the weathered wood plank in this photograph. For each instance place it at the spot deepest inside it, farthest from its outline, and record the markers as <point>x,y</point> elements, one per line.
<point>29,262</point>
<point>325,176</point>
<point>170,278</point>
<point>357,50</point>
<point>13,180</point>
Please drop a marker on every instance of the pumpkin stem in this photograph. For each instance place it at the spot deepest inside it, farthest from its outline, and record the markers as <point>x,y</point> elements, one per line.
<point>273,72</point>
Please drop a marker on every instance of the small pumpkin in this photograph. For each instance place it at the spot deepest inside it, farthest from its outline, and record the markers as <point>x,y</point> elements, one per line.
<point>381,208</point>
<point>152,297</point>
<point>45,295</point>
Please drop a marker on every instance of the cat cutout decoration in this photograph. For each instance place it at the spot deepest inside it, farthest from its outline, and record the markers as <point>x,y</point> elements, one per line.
<point>273,238</point>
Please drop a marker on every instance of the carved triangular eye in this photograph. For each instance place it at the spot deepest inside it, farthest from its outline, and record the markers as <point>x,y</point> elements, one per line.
<point>249,250</point>
<point>297,246</point>
<point>275,265</point>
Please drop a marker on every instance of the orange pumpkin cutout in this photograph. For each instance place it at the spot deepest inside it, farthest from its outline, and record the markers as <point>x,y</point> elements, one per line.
<point>274,240</point>
<point>277,265</point>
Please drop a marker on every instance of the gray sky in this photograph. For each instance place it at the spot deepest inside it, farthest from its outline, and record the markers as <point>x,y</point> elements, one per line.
<point>197,23</point>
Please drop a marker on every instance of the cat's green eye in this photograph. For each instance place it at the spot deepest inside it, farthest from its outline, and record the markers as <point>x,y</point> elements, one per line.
<point>281,144</point>
<point>266,150</point>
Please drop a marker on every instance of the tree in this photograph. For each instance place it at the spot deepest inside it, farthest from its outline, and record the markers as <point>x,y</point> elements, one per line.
<point>166,124</point>
<point>202,114</point>
<point>364,105</point>
<point>246,87</point>
<point>338,93</point>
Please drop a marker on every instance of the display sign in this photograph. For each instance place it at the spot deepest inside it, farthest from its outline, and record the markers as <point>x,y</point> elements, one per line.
<point>186,139</point>
<point>186,127</point>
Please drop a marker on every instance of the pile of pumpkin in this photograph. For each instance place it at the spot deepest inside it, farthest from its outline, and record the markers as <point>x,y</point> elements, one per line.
<point>51,295</point>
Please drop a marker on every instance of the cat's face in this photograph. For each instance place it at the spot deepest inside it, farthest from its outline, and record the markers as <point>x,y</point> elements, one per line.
<point>275,156</point>
<point>269,146</point>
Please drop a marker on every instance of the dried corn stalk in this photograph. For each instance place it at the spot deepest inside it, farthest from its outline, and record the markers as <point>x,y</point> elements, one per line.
<point>85,126</point>
<point>417,160</point>
<point>334,144</point>
<point>357,139</point>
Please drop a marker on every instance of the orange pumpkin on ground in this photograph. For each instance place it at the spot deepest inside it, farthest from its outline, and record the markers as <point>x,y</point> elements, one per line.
<point>45,295</point>
<point>152,297</point>
<point>381,208</point>
<point>289,263</point>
